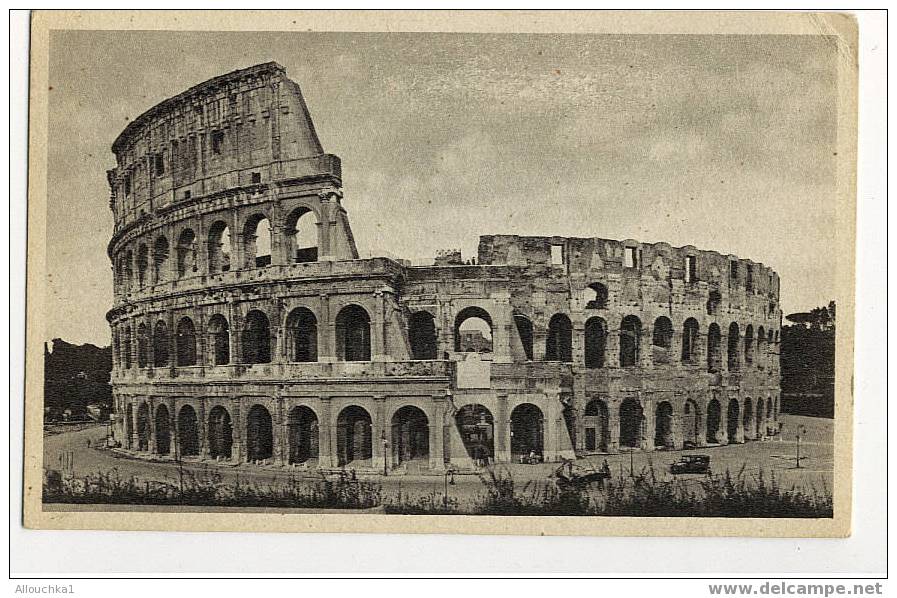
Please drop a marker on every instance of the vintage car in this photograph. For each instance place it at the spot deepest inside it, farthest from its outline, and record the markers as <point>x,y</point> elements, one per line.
<point>691,464</point>
<point>571,476</point>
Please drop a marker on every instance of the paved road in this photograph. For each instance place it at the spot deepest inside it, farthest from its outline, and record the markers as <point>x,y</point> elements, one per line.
<point>776,456</point>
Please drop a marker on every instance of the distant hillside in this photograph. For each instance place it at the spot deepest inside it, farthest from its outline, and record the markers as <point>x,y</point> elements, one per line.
<point>75,376</point>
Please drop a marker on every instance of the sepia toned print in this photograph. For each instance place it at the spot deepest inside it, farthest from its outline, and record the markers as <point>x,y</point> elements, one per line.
<point>260,350</point>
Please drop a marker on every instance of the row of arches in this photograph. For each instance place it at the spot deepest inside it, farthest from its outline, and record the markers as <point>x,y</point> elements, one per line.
<point>160,260</point>
<point>352,325</point>
<point>410,432</point>
<point>694,427</point>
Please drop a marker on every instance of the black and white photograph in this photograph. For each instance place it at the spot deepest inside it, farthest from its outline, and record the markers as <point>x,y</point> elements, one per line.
<point>591,282</point>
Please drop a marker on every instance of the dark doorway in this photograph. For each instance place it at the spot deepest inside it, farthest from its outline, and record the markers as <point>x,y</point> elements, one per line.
<point>732,422</point>
<point>221,433</point>
<point>663,426</point>
<point>302,430</point>
<point>188,432</point>
<point>631,424</point>
<point>476,426</point>
<point>143,427</point>
<point>410,435</point>
<point>219,332</point>
<point>256,338</point>
<point>630,341</point>
<point>354,435</point>
<point>596,426</point>
<point>525,332</point>
<point>163,430</point>
<point>691,423</point>
<point>259,434</point>
<point>714,418</point>
<point>353,334</point>
<point>596,342</point>
<point>302,335</point>
<point>422,335</point>
<point>526,431</point>
<point>559,344</point>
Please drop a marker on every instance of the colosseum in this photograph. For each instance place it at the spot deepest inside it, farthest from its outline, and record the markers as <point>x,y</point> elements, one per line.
<point>247,329</point>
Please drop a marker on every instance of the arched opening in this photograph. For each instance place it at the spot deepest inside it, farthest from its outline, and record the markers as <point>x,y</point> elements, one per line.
<point>353,334</point>
<point>733,360</point>
<point>128,270</point>
<point>691,424</point>
<point>163,430</point>
<point>219,339</point>
<point>353,436</point>
<point>186,253</point>
<point>714,354</point>
<point>732,421</point>
<point>188,432</point>
<point>142,264</point>
<point>749,345</point>
<point>219,247</point>
<point>302,335</point>
<point>770,428</point>
<point>160,259</point>
<point>142,346</point>
<point>256,338</point>
<point>714,418</point>
<point>595,342</point>
<point>559,344</point>
<point>302,236</point>
<point>598,298</point>
<point>185,342</point>
<point>663,426</point>
<point>525,332</point>
<point>527,434</point>
<point>760,430</point>
<point>631,424</point>
<point>595,422</point>
<point>714,299</point>
<point>761,347</point>
<point>129,425</point>
<point>690,331</point>
<point>126,348</point>
<point>259,435</point>
<point>630,341</point>
<point>748,420</point>
<point>302,434</point>
<point>473,331</point>
<point>410,435</point>
<point>476,426</point>
<point>662,340</point>
<point>257,242</point>
<point>221,433</point>
<point>422,335</point>
<point>143,427</point>
<point>161,342</point>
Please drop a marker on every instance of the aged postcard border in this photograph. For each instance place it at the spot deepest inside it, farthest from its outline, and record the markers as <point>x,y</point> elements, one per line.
<point>841,26</point>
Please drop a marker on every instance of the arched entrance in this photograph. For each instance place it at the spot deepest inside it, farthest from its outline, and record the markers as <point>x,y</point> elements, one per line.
<point>219,333</point>
<point>256,338</point>
<point>595,342</point>
<point>143,427</point>
<point>221,433</point>
<point>410,435</point>
<point>663,426</point>
<point>476,426</point>
<point>259,435</point>
<point>631,424</point>
<point>188,432</point>
<point>302,335</point>
<point>353,436</point>
<point>302,434</point>
<point>691,424</point>
<point>473,331</point>
<point>559,344</point>
<point>422,335</point>
<point>163,430</point>
<point>630,341</point>
<point>596,426</point>
<point>353,334</point>
<point>526,431</point>
<point>760,431</point>
<point>714,418</point>
<point>748,420</point>
<point>732,421</point>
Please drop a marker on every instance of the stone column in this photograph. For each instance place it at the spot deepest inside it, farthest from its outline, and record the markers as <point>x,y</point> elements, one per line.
<point>613,427</point>
<point>648,423</point>
<point>550,432</point>
<point>379,452</point>
<point>203,430</point>
<point>172,343</point>
<point>378,340</point>
<point>237,434</point>
<point>175,447</point>
<point>327,334</point>
<point>579,342</point>
<point>280,434</point>
<point>233,316</point>
<point>502,430</point>
<point>135,435</point>
<point>152,426</point>
<point>612,350</point>
<point>437,433</point>
<point>325,440</point>
<point>277,332</point>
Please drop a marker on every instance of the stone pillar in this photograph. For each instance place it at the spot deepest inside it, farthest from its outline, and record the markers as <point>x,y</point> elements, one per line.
<point>378,340</point>
<point>234,322</point>
<point>175,447</point>
<point>579,342</point>
<point>613,427</point>
<point>648,423</point>
<point>550,431</point>
<point>437,433</point>
<point>152,426</point>
<point>540,342</point>
<point>280,434</point>
<point>237,434</point>
<point>379,450</point>
<point>326,435</point>
<point>325,249</point>
<point>135,435</point>
<point>277,333</point>
<point>203,430</point>
<point>172,343</point>
<point>502,430</point>
<point>612,350</point>
<point>327,334</point>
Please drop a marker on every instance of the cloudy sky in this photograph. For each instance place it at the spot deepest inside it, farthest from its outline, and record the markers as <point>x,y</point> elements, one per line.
<point>722,142</point>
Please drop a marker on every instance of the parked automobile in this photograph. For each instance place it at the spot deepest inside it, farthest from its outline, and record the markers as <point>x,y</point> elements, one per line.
<point>691,464</point>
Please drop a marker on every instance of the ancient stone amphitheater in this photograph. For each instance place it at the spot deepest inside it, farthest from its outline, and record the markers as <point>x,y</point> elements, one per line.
<point>246,328</point>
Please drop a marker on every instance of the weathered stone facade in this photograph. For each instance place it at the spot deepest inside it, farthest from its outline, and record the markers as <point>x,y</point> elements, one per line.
<point>246,328</point>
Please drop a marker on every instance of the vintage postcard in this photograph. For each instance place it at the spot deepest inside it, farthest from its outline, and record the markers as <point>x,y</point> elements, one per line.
<point>498,272</point>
